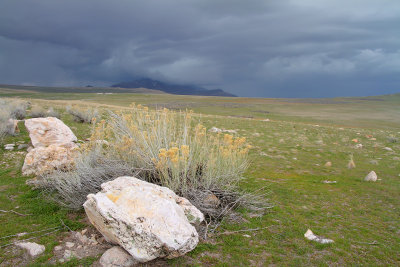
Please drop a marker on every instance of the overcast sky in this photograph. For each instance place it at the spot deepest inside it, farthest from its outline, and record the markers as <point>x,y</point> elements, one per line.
<point>262,48</point>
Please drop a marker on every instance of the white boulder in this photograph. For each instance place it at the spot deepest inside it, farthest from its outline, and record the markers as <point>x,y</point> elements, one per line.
<point>143,218</point>
<point>116,257</point>
<point>42,160</point>
<point>371,177</point>
<point>49,131</point>
<point>33,249</point>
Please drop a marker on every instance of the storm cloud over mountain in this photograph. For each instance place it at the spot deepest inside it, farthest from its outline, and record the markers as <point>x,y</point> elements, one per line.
<point>248,48</point>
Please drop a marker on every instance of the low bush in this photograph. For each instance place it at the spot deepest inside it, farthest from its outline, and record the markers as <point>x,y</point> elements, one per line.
<point>92,169</point>
<point>88,115</point>
<point>10,110</point>
<point>38,112</point>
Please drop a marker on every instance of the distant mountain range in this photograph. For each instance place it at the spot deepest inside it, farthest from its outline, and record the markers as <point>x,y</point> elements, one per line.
<point>172,88</point>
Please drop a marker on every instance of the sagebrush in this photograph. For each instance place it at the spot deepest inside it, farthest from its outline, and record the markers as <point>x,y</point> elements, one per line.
<point>87,115</point>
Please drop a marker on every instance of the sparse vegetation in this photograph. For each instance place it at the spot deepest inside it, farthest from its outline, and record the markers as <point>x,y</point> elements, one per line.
<point>10,110</point>
<point>88,115</point>
<point>360,217</point>
<point>38,112</point>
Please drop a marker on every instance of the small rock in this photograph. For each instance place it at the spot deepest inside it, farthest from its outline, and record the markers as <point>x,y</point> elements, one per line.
<point>82,238</point>
<point>116,256</point>
<point>68,254</point>
<point>22,146</point>
<point>8,147</point>
<point>57,248</point>
<point>358,146</point>
<point>310,236</point>
<point>371,177</point>
<point>388,149</point>
<point>329,182</point>
<point>247,236</point>
<point>215,130</point>
<point>328,164</point>
<point>33,249</point>
<point>83,231</point>
<point>374,162</point>
<point>69,244</point>
<point>373,139</point>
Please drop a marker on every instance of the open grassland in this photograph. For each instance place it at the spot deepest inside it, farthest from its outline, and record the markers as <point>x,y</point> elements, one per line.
<point>288,157</point>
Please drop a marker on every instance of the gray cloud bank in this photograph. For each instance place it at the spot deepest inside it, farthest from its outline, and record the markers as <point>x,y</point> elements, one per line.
<point>249,48</point>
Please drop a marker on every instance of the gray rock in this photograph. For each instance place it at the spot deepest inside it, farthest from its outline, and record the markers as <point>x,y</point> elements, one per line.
<point>22,146</point>
<point>69,244</point>
<point>33,249</point>
<point>371,177</point>
<point>116,257</point>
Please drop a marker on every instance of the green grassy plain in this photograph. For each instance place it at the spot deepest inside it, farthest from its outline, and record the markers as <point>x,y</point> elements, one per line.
<point>287,160</point>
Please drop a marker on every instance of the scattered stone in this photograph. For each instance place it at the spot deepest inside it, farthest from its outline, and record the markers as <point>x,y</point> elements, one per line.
<point>33,249</point>
<point>69,244</point>
<point>358,146</point>
<point>81,238</point>
<point>116,257</point>
<point>388,149</point>
<point>68,254</point>
<point>266,120</point>
<point>374,162</point>
<point>328,164</point>
<point>310,236</point>
<point>215,130</point>
<point>247,236</point>
<point>83,231</point>
<point>371,177</point>
<point>57,248</point>
<point>49,131</point>
<point>9,147</point>
<point>329,182</point>
<point>22,146</point>
<point>143,218</point>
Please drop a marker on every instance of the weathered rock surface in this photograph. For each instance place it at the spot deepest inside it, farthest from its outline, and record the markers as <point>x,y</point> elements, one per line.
<point>143,218</point>
<point>116,257</point>
<point>46,159</point>
<point>371,177</point>
<point>53,143</point>
<point>49,131</point>
<point>33,249</point>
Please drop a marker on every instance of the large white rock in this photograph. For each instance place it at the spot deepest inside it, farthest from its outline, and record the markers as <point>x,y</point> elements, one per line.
<point>33,249</point>
<point>371,177</point>
<point>116,257</point>
<point>143,218</point>
<point>49,131</point>
<point>42,160</point>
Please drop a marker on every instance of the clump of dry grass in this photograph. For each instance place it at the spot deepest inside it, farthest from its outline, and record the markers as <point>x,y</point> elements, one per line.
<point>91,170</point>
<point>88,115</point>
<point>10,110</point>
<point>38,112</point>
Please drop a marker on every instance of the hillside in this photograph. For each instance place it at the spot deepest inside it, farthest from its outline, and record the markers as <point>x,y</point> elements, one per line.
<point>175,89</point>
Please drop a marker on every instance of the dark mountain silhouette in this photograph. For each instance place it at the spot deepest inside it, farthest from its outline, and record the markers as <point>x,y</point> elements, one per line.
<point>171,88</point>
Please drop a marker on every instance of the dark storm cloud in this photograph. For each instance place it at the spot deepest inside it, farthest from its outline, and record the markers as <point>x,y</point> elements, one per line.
<point>250,48</point>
